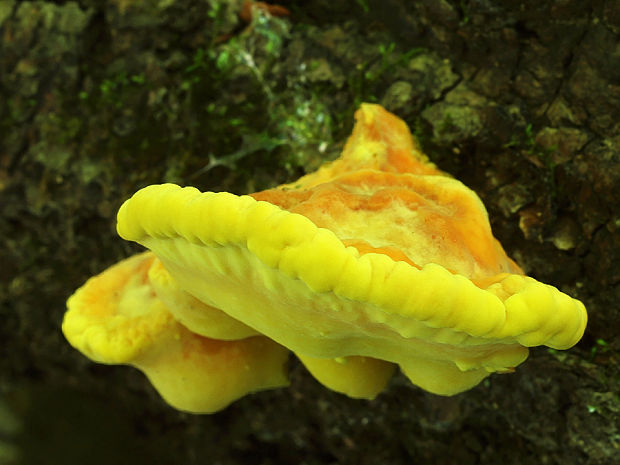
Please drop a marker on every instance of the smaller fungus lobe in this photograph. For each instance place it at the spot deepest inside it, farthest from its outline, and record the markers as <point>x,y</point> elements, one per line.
<point>117,318</point>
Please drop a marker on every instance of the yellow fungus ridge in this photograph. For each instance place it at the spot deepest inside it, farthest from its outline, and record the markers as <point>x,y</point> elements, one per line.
<point>515,310</point>
<point>294,245</point>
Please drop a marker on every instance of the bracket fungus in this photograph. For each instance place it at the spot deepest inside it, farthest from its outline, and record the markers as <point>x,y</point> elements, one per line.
<point>375,260</point>
<point>118,318</point>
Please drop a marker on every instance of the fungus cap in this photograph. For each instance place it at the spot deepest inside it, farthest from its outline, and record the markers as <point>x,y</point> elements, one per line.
<point>377,254</point>
<point>117,318</point>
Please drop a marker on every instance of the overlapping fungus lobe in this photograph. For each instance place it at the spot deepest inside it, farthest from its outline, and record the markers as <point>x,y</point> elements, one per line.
<point>376,259</point>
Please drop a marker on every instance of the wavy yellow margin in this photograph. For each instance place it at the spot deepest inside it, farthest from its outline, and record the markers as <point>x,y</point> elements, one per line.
<point>512,307</point>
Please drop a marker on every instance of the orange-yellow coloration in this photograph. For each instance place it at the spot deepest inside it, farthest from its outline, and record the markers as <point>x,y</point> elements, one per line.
<point>117,318</point>
<point>375,259</point>
<point>381,142</point>
<point>383,196</point>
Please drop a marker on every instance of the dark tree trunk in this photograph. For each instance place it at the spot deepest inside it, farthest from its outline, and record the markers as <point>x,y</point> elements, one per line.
<point>519,100</point>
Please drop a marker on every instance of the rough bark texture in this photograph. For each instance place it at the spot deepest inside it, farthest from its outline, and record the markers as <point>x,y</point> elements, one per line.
<point>519,100</point>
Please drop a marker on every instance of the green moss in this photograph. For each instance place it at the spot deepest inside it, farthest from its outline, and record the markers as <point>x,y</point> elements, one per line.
<point>527,145</point>
<point>363,5</point>
<point>375,74</point>
<point>600,347</point>
<point>114,89</point>
<point>288,127</point>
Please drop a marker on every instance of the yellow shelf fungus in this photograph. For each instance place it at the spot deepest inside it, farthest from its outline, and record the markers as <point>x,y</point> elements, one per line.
<point>378,254</point>
<point>375,260</point>
<point>118,318</point>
